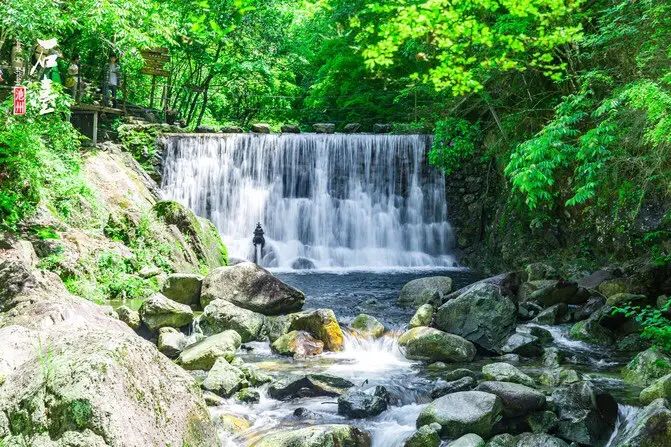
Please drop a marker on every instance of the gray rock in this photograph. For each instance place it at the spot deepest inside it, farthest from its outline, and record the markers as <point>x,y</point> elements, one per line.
<point>660,388</point>
<point>158,311</point>
<point>202,355</point>
<point>508,285</point>
<point>443,388</point>
<point>183,288</point>
<point>551,292</point>
<point>586,414</point>
<point>323,128</point>
<point>458,373</point>
<point>129,316</point>
<point>517,400</point>
<point>205,129</point>
<point>303,264</point>
<point>593,329</point>
<point>481,315</point>
<point>171,344</point>
<point>317,436</point>
<point>291,128</point>
<point>382,128</point>
<point>352,128</point>
<point>552,357</point>
<point>540,440</point>
<point>542,334</point>
<point>539,271</point>
<point>422,317</point>
<point>425,436</point>
<point>469,440</point>
<point>310,385</point>
<point>368,326</point>
<point>231,129</point>
<point>432,345</point>
<point>422,291</point>
<point>224,379</point>
<point>651,427</point>
<point>559,376</point>
<point>504,372</point>
<point>523,344</point>
<point>251,287</point>
<point>71,374</point>
<point>221,315</point>
<point>647,367</point>
<point>360,404</point>
<point>248,396</point>
<point>542,421</point>
<point>592,282</point>
<point>462,413</point>
<point>253,374</point>
<point>260,128</point>
<point>556,314</point>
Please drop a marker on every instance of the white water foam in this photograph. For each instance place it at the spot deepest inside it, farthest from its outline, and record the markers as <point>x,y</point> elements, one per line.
<point>336,200</point>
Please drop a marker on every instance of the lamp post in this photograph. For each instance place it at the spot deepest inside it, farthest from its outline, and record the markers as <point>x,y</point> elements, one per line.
<point>258,240</point>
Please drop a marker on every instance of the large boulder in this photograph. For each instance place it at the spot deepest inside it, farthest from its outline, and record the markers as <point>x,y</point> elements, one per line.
<point>421,291</point>
<point>505,372</point>
<point>461,413</point>
<point>200,235</point>
<point>647,367</point>
<point>586,414</point>
<point>260,128</point>
<point>310,385</point>
<point>559,313</point>
<point>591,306</point>
<point>71,374</point>
<point>171,342</point>
<point>251,287</point>
<point>224,379</point>
<point>550,292</point>
<point>202,355</point>
<point>481,315</point>
<point>525,345</point>
<point>222,315</point>
<point>422,317</point>
<point>443,388</point>
<point>323,325</point>
<point>183,288</point>
<point>290,128</point>
<point>158,311</point>
<point>323,128</point>
<point>432,345</point>
<point>651,427</point>
<point>660,388</point>
<point>517,400</point>
<point>368,326</point>
<point>129,316</point>
<point>360,404</point>
<point>508,285</point>
<point>297,344</point>
<point>595,328</point>
<point>317,436</point>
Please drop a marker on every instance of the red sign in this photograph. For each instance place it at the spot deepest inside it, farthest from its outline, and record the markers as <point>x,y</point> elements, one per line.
<point>19,100</point>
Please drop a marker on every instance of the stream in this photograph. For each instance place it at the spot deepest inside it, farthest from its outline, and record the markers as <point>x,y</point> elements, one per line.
<point>369,362</point>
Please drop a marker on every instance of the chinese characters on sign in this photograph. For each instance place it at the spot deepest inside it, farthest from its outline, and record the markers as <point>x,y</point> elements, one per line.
<point>19,100</point>
<point>47,97</point>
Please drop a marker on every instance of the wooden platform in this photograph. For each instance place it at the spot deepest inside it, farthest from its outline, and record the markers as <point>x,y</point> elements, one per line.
<point>95,108</point>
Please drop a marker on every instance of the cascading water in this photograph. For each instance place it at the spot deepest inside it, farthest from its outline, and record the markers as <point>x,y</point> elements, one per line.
<point>327,200</point>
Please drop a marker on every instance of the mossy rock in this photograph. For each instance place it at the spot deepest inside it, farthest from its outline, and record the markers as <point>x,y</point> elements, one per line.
<point>660,388</point>
<point>368,326</point>
<point>647,367</point>
<point>199,233</point>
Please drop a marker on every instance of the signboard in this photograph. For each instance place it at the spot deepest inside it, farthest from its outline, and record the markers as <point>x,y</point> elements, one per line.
<point>19,100</point>
<point>147,56</point>
<point>155,72</point>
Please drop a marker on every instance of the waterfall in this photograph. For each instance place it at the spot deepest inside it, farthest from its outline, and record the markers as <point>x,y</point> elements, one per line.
<point>328,200</point>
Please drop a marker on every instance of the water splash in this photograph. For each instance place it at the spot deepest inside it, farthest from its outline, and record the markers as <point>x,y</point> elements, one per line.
<point>626,420</point>
<point>365,358</point>
<point>337,200</point>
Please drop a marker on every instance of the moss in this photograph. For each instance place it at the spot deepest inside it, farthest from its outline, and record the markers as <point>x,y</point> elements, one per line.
<point>80,413</point>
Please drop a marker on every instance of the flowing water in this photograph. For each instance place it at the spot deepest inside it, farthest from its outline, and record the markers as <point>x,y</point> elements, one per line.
<point>368,363</point>
<point>325,200</point>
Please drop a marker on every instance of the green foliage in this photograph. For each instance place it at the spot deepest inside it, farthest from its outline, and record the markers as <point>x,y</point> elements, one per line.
<point>80,413</point>
<point>39,161</point>
<point>655,325</point>
<point>454,141</point>
<point>463,41</point>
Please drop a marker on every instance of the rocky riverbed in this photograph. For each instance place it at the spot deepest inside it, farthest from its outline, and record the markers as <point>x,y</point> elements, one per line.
<point>241,358</point>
